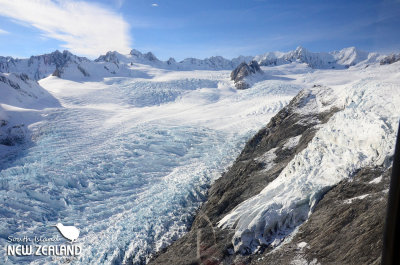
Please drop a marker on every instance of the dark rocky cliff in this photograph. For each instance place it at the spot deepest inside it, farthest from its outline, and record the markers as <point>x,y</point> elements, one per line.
<point>243,71</point>
<point>345,227</point>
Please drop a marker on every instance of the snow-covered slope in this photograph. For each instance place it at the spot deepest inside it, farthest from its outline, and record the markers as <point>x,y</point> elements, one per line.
<point>334,60</point>
<point>21,101</point>
<point>69,66</point>
<point>38,67</point>
<point>361,135</point>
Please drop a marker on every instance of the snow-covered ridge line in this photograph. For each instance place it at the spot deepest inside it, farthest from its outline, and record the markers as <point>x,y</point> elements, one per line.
<point>322,60</point>
<point>361,135</point>
<point>66,65</point>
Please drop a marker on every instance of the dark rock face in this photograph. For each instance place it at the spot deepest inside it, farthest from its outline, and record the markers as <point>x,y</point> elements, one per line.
<point>15,85</point>
<point>9,82</point>
<point>151,57</point>
<point>58,72</point>
<point>83,71</point>
<point>242,71</point>
<point>205,243</point>
<point>12,135</point>
<point>390,59</point>
<point>346,227</point>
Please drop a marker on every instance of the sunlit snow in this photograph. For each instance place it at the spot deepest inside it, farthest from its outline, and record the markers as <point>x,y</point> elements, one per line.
<point>129,160</point>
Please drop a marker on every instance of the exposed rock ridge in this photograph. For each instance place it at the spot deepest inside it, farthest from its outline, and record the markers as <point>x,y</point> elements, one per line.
<point>390,59</point>
<point>346,226</point>
<point>243,71</point>
<point>249,174</point>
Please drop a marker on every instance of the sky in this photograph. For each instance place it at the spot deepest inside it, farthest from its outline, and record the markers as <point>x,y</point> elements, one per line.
<point>196,28</point>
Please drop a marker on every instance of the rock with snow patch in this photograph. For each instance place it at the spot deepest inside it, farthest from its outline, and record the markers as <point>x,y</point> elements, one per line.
<point>244,70</point>
<point>390,59</point>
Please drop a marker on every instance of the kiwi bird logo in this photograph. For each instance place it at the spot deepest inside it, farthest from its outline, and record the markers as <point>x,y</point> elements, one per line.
<point>69,232</point>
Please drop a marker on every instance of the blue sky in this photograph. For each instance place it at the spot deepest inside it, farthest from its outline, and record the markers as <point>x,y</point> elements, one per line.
<point>182,28</point>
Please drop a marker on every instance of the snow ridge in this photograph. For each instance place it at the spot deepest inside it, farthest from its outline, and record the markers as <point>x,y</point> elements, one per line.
<point>66,65</point>
<point>338,59</point>
<point>340,147</point>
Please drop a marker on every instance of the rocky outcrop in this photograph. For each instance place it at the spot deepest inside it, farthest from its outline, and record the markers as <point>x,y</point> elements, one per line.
<point>205,243</point>
<point>12,135</point>
<point>346,227</point>
<point>390,59</point>
<point>243,71</point>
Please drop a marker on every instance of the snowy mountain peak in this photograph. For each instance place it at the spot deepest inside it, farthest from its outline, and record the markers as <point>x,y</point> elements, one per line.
<point>38,67</point>
<point>171,61</point>
<point>136,53</point>
<point>56,58</point>
<point>301,50</point>
<point>321,60</point>
<point>114,63</point>
<point>112,57</point>
<point>151,57</point>
<point>350,56</point>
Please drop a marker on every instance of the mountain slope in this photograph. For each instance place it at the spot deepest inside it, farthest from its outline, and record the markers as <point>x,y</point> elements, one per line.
<point>21,101</point>
<point>72,67</point>
<point>333,60</point>
<point>346,226</point>
<point>330,145</point>
<point>38,67</point>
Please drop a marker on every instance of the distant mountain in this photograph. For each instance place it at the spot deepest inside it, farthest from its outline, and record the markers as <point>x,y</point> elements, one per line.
<point>67,65</point>
<point>390,59</point>
<point>212,63</point>
<point>338,59</point>
<point>38,67</point>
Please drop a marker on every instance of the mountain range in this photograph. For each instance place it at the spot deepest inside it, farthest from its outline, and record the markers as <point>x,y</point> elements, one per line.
<point>67,65</point>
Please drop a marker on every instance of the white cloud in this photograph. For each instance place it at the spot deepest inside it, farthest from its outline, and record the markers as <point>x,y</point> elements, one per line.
<point>155,5</point>
<point>85,28</point>
<point>2,31</point>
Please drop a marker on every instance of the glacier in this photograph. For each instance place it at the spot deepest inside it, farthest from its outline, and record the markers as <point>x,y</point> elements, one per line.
<point>128,160</point>
<point>127,151</point>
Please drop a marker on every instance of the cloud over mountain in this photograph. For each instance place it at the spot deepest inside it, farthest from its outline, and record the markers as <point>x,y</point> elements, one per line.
<point>84,28</point>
